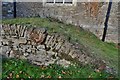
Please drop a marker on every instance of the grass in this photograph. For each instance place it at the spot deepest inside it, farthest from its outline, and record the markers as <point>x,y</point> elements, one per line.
<point>94,46</point>
<point>22,69</point>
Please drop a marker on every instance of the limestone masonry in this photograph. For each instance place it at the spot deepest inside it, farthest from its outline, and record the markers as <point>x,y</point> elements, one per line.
<point>42,48</point>
<point>90,16</point>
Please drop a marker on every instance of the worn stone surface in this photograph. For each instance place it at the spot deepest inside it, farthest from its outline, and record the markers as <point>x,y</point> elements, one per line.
<point>43,49</point>
<point>90,16</point>
<point>37,36</point>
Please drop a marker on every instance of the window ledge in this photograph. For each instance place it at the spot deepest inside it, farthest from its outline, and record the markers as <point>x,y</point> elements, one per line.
<point>58,4</point>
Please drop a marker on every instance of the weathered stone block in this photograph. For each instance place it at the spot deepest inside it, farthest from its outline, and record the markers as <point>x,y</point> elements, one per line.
<point>23,31</point>
<point>74,55</point>
<point>64,62</point>
<point>15,47</point>
<point>50,41</point>
<point>26,54</point>
<point>58,46</point>
<point>54,42</point>
<point>12,54</point>
<point>22,40</point>
<point>47,39</point>
<point>71,52</point>
<point>5,43</point>
<point>50,53</point>
<point>41,51</point>
<point>40,47</point>
<point>28,50</point>
<point>36,36</point>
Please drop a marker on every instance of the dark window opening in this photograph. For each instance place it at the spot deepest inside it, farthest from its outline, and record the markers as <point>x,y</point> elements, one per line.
<point>68,1</point>
<point>50,1</point>
<point>58,1</point>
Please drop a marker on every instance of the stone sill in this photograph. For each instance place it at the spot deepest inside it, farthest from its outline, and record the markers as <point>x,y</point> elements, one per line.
<point>58,4</point>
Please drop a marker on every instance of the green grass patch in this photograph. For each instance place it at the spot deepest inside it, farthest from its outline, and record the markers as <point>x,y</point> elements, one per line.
<point>103,50</point>
<point>16,68</point>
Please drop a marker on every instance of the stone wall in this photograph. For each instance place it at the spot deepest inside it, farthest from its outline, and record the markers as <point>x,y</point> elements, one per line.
<point>90,16</point>
<point>7,10</point>
<point>24,42</point>
<point>0,10</point>
<point>42,48</point>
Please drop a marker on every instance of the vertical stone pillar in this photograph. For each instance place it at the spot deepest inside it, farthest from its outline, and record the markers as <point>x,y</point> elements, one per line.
<point>74,2</point>
<point>54,1</point>
<point>63,1</point>
<point>44,1</point>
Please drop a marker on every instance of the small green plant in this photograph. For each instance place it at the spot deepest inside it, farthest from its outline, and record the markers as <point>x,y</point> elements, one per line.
<point>16,68</point>
<point>103,50</point>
